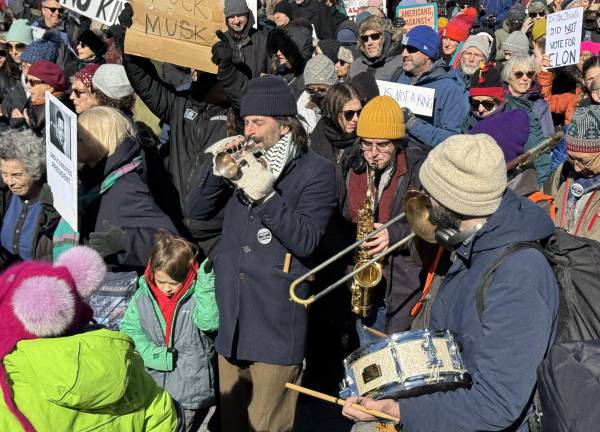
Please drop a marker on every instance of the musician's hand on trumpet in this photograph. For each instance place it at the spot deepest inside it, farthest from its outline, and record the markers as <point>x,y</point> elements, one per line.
<point>255,180</point>
<point>386,406</point>
<point>378,243</point>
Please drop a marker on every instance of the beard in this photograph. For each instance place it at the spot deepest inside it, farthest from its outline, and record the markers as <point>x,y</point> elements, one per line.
<point>469,70</point>
<point>442,218</point>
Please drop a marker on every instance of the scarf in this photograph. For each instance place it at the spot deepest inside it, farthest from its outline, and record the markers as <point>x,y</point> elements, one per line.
<point>65,237</point>
<point>279,154</point>
<point>167,305</point>
<point>326,137</point>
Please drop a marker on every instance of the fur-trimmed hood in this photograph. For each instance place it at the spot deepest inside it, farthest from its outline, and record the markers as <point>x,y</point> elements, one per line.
<point>295,42</point>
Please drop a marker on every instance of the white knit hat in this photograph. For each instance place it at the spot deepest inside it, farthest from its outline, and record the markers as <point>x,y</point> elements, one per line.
<point>466,174</point>
<point>111,79</point>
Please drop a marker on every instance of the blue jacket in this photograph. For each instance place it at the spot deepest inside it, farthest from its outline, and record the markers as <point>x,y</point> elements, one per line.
<point>450,108</point>
<point>499,8</point>
<point>257,320</point>
<point>503,350</point>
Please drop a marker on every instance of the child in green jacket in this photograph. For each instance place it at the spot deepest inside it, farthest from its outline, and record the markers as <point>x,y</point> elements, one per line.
<point>170,320</point>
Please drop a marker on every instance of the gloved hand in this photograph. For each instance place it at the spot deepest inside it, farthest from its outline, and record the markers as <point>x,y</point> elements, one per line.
<point>255,180</point>
<point>409,118</point>
<point>126,16</point>
<point>110,241</point>
<point>117,31</point>
<point>222,53</point>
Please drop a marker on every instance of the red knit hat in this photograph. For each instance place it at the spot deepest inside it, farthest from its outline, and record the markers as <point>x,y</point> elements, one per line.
<point>487,82</point>
<point>50,73</point>
<point>471,14</point>
<point>86,74</point>
<point>38,299</point>
<point>458,28</point>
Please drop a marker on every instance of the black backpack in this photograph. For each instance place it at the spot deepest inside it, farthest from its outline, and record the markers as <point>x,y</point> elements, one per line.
<point>569,377</point>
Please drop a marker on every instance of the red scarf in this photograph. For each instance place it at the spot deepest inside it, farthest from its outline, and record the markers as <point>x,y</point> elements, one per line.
<point>168,305</point>
<point>357,190</point>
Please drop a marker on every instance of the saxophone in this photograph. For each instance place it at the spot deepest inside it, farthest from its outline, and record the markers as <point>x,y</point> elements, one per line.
<point>367,279</point>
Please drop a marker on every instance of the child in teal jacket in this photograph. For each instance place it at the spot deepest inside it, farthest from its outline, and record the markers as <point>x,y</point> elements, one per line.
<point>170,320</point>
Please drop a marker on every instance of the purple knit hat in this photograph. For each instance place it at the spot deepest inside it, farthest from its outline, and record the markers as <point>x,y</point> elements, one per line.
<point>510,129</point>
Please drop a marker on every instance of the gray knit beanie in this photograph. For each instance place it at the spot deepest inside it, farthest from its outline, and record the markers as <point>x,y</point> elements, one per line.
<point>466,174</point>
<point>516,12</point>
<point>320,70</point>
<point>482,43</point>
<point>235,7</point>
<point>516,42</point>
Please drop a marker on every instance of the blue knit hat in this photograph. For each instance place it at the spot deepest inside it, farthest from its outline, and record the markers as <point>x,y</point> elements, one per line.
<point>268,96</point>
<point>43,49</point>
<point>425,39</point>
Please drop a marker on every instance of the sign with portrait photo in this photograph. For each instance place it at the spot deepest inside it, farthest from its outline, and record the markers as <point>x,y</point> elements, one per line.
<point>61,158</point>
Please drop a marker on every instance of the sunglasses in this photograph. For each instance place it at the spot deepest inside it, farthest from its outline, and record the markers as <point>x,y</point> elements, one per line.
<point>349,114</point>
<point>519,74</point>
<point>538,14</point>
<point>2,53</point>
<point>373,36</point>
<point>487,104</point>
<point>33,83</point>
<point>79,93</point>
<point>54,9</point>
<point>314,91</point>
<point>410,49</point>
<point>342,63</point>
<point>16,47</point>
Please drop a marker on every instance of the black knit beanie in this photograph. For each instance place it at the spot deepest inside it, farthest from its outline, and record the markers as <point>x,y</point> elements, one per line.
<point>285,8</point>
<point>94,41</point>
<point>268,96</point>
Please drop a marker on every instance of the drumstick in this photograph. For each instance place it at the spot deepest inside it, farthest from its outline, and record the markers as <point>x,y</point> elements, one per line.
<point>375,332</point>
<point>338,401</point>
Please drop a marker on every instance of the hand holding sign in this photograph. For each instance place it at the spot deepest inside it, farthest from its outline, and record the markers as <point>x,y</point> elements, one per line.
<point>222,54</point>
<point>563,37</point>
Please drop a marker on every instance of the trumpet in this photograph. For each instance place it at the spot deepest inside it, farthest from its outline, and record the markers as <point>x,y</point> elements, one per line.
<point>229,161</point>
<point>416,212</point>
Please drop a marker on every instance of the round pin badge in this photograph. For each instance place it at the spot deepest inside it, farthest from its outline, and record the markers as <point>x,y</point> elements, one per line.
<point>264,236</point>
<point>576,190</point>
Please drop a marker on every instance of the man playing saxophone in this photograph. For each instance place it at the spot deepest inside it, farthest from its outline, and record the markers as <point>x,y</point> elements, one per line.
<point>372,180</point>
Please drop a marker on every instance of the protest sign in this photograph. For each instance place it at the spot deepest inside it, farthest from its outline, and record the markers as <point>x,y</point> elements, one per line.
<point>418,15</point>
<point>104,11</point>
<point>61,158</point>
<point>352,7</point>
<point>181,32</point>
<point>419,100</point>
<point>563,36</point>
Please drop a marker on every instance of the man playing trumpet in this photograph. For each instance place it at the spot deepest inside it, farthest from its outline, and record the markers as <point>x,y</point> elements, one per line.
<point>275,215</point>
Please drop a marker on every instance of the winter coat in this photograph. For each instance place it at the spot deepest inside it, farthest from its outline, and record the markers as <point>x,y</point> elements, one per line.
<point>350,25</point>
<point>450,108</point>
<point>44,229</point>
<point>250,53</point>
<point>564,103</point>
<point>402,274</point>
<point>37,113</point>
<point>326,20</point>
<point>500,35</point>
<point>15,98</point>
<point>499,8</point>
<point>6,83</point>
<point>328,141</point>
<point>189,378</point>
<point>503,349</point>
<point>194,126</point>
<point>128,205</point>
<point>558,186</point>
<point>89,381</point>
<point>257,320</point>
<point>386,67</point>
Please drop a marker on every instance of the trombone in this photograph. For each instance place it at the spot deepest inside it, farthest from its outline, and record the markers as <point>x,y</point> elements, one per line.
<point>416,205</point>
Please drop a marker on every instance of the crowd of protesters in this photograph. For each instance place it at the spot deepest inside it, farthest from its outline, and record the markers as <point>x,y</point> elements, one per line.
<point>214,251</point>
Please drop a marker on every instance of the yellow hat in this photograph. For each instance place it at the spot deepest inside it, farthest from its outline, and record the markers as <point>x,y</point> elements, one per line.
<point>442,22</point>
<point>381,118</point>
<point>539,29</point>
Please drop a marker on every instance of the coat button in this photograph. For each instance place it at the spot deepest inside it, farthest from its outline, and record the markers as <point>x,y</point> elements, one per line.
<point>246,249</point>
<point>251,218</point>
<point>243,276</point>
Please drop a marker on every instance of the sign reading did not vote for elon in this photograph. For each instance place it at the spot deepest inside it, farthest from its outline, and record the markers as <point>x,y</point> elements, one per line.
<point>563,37</point>
<point>419,100</point>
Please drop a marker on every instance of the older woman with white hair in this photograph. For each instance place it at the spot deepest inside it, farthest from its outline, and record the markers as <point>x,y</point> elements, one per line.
<point>26,212</point>
<point>523,93</point>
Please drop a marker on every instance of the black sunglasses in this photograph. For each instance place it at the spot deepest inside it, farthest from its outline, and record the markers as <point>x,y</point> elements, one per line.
<point>15,46</point>
<point>79,93</point>
<point>349,114</point>
<point>314,91</point>
<point>54,9</point>
<point>539,14</point>
<point>410,49</point>
<point>487,104</point>
<point>341,62</point>
<point>374,36</point>
<point>519,74</point>
<point>2,53</point>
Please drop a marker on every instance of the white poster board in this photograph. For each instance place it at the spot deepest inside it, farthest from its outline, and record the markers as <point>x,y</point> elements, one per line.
<point>61,158</point>
<point>563,36</point>
<point>419,100</point>
<point>104,11</point>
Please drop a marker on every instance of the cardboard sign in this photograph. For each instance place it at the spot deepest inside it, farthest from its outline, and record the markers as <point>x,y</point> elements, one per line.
<point>181,32</point>
<point>563,36</point>
<point>418,15</point>
<point>61,158</point>
<point>419,100</point>
<point>104,11</point>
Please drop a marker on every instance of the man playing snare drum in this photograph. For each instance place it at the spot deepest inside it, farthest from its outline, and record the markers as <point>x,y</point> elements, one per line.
<point>502,345</point>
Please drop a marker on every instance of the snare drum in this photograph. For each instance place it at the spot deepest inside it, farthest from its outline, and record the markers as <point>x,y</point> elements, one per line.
<point>405,364</point>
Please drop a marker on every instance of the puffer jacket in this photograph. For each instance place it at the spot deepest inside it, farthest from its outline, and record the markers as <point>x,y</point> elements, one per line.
<point>89,381</point>
<point>385,67</point>
<point>450,108</point>
<point>564,103</point>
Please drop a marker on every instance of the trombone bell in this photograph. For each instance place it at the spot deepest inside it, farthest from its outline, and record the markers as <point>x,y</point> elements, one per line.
<point>416,207</point>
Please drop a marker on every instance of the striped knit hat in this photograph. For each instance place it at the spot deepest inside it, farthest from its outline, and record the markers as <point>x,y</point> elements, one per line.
<point>583,133</point>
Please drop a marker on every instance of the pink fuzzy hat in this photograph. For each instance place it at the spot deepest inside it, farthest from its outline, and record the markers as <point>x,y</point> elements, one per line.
<point>40,300</point>
<point>593,47</point>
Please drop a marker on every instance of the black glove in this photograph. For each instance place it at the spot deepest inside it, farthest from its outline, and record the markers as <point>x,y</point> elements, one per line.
<point>111,241</point>
<point>45,197</point>
<point>222,54</point>
<point>126,16</point>
<point>409,118</point>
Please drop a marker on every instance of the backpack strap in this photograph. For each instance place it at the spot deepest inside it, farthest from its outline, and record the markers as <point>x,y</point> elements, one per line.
<point>488,275</point>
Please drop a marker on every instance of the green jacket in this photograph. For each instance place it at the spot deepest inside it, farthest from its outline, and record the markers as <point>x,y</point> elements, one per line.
<point>189,378</point>
<point>92,381</point>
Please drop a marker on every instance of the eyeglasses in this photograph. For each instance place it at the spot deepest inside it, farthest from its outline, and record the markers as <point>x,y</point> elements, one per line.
<point>349,114</point>
<point>410,49</point>
<point>342,63</point>
<point>373,36</point>
<point>19,47</point>
<point>33,83</point>
<point>382,146</point>
<point>583,163</point>
<point>488,105</point>
<point>520,74</point>
<point>79,93</point>
<point>54,10</point>
<point>538,14</point>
